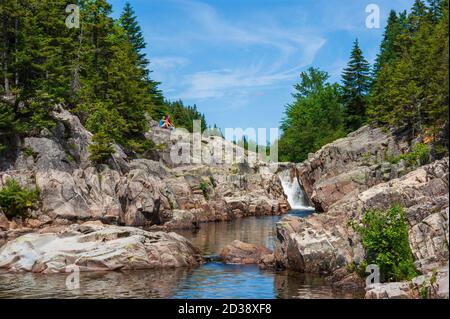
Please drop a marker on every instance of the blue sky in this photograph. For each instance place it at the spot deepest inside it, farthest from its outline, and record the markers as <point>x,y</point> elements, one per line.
<point>239,59</point>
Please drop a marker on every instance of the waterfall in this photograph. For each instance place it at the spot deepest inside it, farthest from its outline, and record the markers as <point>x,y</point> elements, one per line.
<point>294,191</point>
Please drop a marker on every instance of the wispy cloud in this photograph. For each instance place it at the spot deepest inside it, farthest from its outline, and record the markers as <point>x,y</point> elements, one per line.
<point>293,51</point>
<point>169,62</point>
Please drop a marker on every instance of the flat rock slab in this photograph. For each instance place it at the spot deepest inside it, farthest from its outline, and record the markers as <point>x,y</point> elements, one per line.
<point>96,247</point>
<point>242,253</point>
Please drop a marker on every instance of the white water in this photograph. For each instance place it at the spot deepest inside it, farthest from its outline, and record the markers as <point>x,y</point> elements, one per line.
<point>294,192</point>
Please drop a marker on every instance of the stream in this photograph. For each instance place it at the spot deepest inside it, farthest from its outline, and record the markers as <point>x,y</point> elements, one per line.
<point>211,280</point>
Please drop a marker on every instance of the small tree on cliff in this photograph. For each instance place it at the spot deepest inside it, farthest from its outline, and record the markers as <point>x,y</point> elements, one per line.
<point>101,148</point>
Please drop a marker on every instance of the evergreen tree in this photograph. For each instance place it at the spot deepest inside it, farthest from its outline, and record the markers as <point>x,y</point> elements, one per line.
<point>99,72</point>
<point>390,48</point>
<point>412,90</point>
<point>356,85</point>
<point>101,148</point>
<point>129,23</point>
<point>183,116</point>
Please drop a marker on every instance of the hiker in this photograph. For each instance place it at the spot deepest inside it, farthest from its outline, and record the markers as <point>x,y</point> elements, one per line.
<point>168,123</point>
<point>162,123</point>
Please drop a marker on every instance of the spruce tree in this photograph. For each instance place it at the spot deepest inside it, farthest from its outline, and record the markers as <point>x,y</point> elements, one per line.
<point>390,50</point>
<point>129,23</point>
<point>356,85</point>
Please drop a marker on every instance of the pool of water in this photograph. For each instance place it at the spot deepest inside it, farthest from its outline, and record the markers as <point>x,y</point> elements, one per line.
<point>212,280</point>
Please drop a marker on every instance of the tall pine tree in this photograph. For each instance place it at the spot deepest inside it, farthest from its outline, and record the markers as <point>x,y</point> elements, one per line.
<point>356,85</point>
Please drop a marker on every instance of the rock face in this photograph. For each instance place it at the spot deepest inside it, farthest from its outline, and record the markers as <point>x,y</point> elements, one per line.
<point>351,164</point>
<point>242,253</point>
<point>93,246</point>
<point>140,192</point>
<point>324,243</point>
<point>430,286</point>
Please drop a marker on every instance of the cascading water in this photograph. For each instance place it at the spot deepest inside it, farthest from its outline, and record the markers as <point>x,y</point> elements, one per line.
<point>294,191</point>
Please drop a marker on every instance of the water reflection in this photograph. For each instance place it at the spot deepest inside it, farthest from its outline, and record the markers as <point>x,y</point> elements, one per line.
<point>212,237</point>
<point>293,285</point>
<point>212,280</point>
<point>133,284</point>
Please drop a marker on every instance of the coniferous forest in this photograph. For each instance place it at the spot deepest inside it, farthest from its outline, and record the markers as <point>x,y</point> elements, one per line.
<point>98,71</point>
<point>406,88</point>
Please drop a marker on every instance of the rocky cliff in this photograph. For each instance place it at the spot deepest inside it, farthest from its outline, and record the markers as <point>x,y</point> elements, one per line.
<point>350,165</point>
<point>347,178</point>
<point>158,194</point>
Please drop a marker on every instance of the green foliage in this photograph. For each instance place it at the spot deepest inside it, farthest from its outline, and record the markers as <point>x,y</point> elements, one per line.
<point>100,72</point>
<point>204,187</point>
<point>356,85</point>
<point>101,148</point>
<point>129,23</point>
<point>419,155</point>
<point>384,237</point>
<point>313,120</point>
<point>183,116</point>
<point>29,152</point>
<point>411,85</point>
<point>7,118</point>
<point>15,201</point>
<point>143,147</point>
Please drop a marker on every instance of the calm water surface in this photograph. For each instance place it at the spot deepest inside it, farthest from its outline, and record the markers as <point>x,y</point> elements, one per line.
<point>212,280</point>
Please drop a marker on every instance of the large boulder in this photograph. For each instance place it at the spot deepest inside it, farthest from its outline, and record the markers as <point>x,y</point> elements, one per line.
<point>243,253</point>
<point>95,247</point>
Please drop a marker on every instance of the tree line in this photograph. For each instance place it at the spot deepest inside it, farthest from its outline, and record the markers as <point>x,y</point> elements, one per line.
<point>98,71</point>
<point>407,87</point>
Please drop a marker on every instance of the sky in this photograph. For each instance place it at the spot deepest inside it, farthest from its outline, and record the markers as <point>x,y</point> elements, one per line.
<point>238,60</point>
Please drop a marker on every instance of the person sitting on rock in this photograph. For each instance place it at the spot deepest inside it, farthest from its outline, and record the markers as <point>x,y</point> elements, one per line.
<point>168,123</point>
<point>162,123</point>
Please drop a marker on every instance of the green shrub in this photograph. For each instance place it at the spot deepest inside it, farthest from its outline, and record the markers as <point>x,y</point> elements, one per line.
<point>16,200</point>
<point>205,189</point>
<point>143,147</point>
<point>384,237</point>
<point>28,151</point>
<point>419,155</point>
<point>101,148</point>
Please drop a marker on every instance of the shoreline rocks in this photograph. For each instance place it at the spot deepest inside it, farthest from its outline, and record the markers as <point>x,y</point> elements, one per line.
<point>431,286</point>
<point>93,246</point>
<point>135,192</point>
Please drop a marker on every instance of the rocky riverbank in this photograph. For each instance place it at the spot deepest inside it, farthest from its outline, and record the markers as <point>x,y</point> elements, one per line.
<point>93,246</point>
<point>349,177</point>
<point>157,194</point>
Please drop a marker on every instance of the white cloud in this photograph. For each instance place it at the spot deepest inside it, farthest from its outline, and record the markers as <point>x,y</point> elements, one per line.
<point>170,62</point>
<point>291,45</point>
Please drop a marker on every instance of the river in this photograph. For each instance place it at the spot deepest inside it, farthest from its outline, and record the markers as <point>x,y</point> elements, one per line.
<point>211,280</point>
